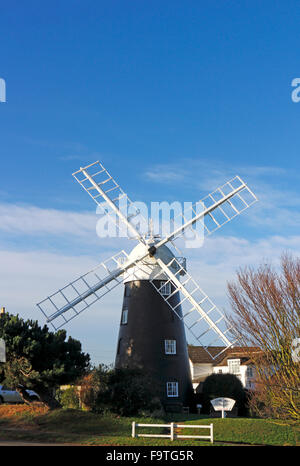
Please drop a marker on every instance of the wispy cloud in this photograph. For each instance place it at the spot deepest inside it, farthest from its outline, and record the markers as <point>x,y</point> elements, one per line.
<point>165,174</point>
<point>26,277</point>
<point>208,174</point>
<point>218,260</point>
<point>276,187</point>
<point>29,219</point>
<point>32,228</point>
<point>36,272</point>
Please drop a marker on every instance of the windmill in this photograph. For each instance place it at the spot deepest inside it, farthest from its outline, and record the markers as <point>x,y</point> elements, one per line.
<point>161,297</point>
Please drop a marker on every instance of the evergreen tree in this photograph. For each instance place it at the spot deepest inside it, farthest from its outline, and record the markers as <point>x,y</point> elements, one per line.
<point>38,359</point>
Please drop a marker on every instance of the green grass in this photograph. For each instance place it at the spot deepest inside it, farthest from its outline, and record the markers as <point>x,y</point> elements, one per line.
<point>80,427</point>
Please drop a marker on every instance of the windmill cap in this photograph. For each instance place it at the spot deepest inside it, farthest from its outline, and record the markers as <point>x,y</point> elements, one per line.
<point>148,269</point>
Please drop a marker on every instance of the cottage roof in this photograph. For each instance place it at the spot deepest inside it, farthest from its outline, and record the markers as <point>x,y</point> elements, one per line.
<point>198,354</point>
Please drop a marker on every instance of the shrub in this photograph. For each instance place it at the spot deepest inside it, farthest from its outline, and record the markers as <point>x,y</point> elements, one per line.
<point>121,391</point>
<point>69,398</point>
<point>224,385</point>
<point>130,392</point>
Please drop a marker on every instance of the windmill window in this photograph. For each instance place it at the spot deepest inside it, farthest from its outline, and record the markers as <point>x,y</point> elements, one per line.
<point>119,346</point>
<point>124,318</point>
<point>170,346</point>
<point>172,389</point>
<point>165,288</point>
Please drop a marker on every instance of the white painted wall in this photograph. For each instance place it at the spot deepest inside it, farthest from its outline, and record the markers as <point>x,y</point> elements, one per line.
<point>204,370</point>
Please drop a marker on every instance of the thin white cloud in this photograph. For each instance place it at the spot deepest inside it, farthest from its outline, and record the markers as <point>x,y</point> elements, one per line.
<point>34,228</point>
<point>275,187</point>
<point>218,260</point>
<point>34,220</point>
<point>28,277</point>
<point>208,174</point>
<point>160,175</point>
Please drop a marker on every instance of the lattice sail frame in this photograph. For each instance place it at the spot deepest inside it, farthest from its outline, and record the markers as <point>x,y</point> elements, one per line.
<point>199,314</point>
<point>84,291</point>
<point>109,196</point>
<point>230,200</point>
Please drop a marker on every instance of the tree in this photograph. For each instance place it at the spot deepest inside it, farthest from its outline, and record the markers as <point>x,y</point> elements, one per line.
<point>223,385</point>
<point>95,386</point>
<point>266,313</point>
<point>123,391</point>
<point>38,359</point>
<point>131,391</point>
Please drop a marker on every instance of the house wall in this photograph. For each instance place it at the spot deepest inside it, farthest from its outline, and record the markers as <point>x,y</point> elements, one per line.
<point>225,370</point>
<point>246,379</point>
<point>201,371</point>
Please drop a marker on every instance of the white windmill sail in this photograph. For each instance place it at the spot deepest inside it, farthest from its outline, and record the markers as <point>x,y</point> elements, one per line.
<point>69,301</point>
<point>108,195</point>
<point>203,319</point>
<point>81,293</point>
<point>218,208</point>
<point>201,316</point>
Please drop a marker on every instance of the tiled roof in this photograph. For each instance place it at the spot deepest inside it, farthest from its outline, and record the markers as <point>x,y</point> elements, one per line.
<point>198,355</point>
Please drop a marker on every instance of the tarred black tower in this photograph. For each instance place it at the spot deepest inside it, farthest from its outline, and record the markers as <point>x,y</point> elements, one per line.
<point>151,336</point>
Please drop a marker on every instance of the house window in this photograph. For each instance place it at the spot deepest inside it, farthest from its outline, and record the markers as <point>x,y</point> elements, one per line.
<point>172,389</point>
<point>234,366</point>
<point>124,318</point>
<point>165,288</point>
<point>249,372</point>
<point>170,346</point>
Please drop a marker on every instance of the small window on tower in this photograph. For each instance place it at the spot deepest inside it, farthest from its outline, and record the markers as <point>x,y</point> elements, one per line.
<point>119,346</point>
<point>170,346</point>
<point>124,318</point>
<point>172,389</point>
<point>165,288</point>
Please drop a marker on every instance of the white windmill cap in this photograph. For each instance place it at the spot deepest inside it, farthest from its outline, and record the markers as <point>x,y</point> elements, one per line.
<point>148,269</point>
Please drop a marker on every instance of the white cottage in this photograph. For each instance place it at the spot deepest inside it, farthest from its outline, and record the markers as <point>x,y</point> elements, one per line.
<point>235,361</point>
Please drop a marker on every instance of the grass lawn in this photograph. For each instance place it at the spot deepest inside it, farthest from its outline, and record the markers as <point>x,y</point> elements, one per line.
<point>36,424</point>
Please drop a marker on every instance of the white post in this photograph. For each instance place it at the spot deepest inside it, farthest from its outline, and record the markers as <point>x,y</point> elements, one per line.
<point>211,433</point>
<point>172,431</point>
<point>133,430</point>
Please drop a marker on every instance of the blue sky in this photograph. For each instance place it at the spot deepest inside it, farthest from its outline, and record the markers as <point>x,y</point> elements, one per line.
<point>174,98</point>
